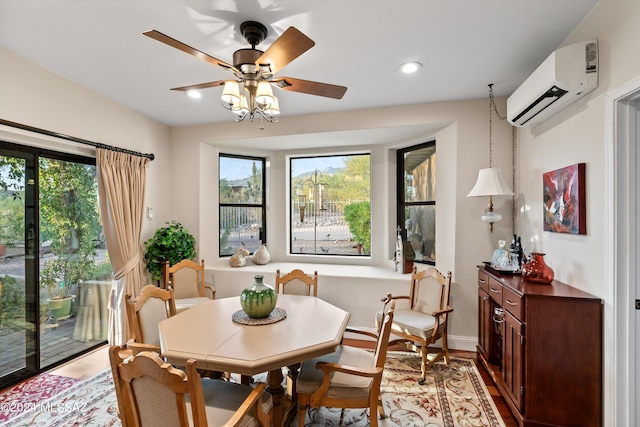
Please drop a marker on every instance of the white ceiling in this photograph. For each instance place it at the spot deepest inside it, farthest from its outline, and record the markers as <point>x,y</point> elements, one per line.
<point>463,46</point>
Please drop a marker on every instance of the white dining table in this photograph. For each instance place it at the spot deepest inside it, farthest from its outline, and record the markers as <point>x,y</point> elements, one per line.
<point>207,334</point>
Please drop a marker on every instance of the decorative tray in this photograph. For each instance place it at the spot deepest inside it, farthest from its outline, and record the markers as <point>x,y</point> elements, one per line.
<point>243,318</point>
<point>487,264</point>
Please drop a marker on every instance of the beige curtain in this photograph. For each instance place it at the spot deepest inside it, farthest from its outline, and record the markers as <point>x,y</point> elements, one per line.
<point>121,185</point>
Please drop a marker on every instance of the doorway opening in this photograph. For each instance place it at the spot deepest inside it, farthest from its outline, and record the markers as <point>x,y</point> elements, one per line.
<point>622,320</point>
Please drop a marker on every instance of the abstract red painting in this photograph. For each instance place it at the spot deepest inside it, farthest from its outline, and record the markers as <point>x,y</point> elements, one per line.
<point>564,200</point>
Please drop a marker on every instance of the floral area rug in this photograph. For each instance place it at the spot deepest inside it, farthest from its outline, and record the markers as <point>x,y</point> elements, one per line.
<point>14,399</point>
<point>91,402</point>
<point>453,396</point>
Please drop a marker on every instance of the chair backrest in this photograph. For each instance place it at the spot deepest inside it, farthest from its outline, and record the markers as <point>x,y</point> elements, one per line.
<point>146,310</point>
<point>383,337</point>
<point>297,282</point>
<point>429,290</point>
<point>186,278</point>
<point>151,392</point>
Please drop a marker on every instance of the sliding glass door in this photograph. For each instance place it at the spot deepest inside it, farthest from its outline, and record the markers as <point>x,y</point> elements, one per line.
<point>18,270</point>
<point>55,273</point>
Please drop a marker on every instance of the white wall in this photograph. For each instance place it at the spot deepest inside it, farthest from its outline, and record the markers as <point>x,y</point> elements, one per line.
<point>576,135</point>
<point>36,97</point>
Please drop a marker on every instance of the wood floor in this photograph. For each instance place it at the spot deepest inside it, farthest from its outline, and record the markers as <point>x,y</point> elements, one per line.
<point>56,343</point>
<point>97,361</point>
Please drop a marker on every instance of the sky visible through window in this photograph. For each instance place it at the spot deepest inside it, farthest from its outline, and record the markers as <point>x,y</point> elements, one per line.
<point>232,168</point>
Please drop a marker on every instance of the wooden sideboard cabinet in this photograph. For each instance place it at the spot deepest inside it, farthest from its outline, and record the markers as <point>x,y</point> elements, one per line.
<point>542,345</point>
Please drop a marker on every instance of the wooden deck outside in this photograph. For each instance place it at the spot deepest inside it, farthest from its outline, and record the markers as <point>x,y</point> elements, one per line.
<point>56,344</point>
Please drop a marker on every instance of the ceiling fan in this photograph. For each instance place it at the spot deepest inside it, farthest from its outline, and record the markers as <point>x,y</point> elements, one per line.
<point>254,71</point>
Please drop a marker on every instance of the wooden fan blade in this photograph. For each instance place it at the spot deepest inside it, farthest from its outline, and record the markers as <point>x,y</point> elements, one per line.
<point>291,44</point>
<point>157,35</point>
<point>200,86</point>
<point>312,88</point>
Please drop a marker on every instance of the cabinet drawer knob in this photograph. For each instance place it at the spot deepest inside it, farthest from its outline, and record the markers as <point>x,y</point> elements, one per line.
<point>482,281</point>
<point>495,291</point>
<point>511,303</point>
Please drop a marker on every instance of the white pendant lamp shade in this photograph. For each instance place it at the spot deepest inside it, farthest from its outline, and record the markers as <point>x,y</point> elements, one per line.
<point>241,108</point>
<point>264,94</point>
<point>231,92</point>
<point>490,183</point>
<point>274,108</point>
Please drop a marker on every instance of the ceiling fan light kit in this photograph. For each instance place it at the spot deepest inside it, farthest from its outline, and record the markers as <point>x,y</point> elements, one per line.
<point>264,94</point>
<point>231,92</point>
<point>251,92</point>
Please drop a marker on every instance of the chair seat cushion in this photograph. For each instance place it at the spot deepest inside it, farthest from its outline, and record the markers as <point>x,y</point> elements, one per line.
<point>411,322</point>
<point>342,385</point>
<point>223,398</point>
<point>186,303</point>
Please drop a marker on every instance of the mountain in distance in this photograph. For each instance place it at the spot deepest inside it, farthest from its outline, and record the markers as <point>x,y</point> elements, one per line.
<point>330,170</point>
<point>242,182</point>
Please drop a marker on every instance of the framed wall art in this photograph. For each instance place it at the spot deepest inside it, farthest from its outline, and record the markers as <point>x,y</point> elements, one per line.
<point>564,196</point>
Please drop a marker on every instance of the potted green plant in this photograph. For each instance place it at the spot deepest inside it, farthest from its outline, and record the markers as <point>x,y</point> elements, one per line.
<point>59,276</point>
<point>171,243</point>
<point>358,217</point>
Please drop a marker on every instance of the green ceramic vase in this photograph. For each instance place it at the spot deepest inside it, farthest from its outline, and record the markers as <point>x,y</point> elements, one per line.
<point>258,300</point>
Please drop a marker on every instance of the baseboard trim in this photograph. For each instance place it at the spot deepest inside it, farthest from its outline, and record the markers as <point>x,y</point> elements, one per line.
<point>458,342</point>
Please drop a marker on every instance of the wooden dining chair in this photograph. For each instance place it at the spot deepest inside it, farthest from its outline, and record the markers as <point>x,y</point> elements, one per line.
<point>347,378</point>
<point>187,280</point>
<point>425,318</point>
<point>153,393</point>
<point>297,282</point>
<point>144,312</point>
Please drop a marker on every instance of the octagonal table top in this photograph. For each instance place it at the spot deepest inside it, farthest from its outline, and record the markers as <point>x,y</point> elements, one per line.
<point>208,334</point>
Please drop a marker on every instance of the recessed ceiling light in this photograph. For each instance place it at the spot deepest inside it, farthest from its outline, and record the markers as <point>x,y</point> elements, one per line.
<point>194,94</point>
<point>410,67</point>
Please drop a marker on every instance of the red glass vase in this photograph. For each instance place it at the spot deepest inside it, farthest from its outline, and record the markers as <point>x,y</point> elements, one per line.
<point>536,270</point>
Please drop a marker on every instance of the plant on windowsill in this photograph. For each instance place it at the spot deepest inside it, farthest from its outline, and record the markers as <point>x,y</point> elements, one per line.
<point>171,243</point>
<point>358,217</point>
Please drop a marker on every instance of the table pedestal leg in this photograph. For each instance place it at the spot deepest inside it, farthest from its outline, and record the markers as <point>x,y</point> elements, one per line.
<point>292,377</point>
<point>280,414</point>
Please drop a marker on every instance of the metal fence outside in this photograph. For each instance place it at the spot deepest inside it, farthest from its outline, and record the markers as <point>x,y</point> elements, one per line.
<point>320,229</point>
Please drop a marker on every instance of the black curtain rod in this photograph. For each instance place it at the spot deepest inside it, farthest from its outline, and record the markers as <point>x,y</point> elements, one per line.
<point>74,139</point>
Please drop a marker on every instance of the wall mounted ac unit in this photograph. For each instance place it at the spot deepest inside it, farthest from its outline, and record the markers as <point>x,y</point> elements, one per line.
<point>565,76</point>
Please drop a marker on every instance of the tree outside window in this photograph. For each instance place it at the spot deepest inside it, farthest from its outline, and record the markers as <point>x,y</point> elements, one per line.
<point>330,205</point>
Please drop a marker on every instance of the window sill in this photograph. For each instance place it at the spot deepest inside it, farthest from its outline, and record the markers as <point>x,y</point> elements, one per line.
<point>324,270</point>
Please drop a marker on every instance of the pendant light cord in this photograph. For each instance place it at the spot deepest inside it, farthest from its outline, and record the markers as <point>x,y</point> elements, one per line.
<point>493,107</point>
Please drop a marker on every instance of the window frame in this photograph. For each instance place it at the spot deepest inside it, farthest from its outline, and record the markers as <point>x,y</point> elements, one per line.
<point>262,206</point>
<point>401,203</point>
<point>290,203</point>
